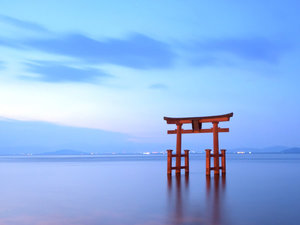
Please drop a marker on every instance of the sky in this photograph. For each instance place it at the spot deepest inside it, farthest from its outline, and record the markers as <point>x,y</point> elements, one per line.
<point>101,75</point>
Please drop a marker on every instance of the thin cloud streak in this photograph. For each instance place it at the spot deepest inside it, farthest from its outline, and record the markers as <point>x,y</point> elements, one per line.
<point>58,73</point>
<point>2,65</point>
<point>137,51</point>
<point>143,52</point>
<point>22,24</point>
<point>158,86</point>
<point>251,49</point>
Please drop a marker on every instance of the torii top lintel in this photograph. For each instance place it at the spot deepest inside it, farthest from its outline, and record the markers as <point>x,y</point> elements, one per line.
<point>197,123</point>
<point>203,119</point>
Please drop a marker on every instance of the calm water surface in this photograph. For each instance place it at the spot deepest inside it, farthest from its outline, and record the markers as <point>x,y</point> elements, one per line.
<point>258,189</point>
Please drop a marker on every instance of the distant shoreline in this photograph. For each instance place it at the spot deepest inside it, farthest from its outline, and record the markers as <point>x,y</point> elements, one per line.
<point>140,154</point>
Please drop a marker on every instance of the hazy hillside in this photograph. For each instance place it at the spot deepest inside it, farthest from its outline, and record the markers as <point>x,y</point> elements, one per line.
<point>291,150</point>
<point>272,149</point>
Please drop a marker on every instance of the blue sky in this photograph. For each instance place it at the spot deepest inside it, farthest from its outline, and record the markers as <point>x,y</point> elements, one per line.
<point>115,68</point>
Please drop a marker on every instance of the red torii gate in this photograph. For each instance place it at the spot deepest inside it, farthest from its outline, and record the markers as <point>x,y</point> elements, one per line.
<point>197,128</point>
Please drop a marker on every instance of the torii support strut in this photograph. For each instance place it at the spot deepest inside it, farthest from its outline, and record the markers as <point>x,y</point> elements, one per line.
<point>197,128</point>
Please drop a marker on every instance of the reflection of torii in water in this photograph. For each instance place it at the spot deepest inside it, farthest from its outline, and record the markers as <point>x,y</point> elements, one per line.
<point>213,212</point>
<point>197,128</point>
<point>180,191</point>
<point>215,193</point>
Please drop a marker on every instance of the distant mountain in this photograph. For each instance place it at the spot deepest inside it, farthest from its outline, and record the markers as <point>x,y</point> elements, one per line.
<point>243,150</point>
<point>291,150</point>
<point>65,152</point>
<point>273,149</point>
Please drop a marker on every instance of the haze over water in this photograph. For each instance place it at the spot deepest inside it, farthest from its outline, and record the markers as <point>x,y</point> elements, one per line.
<point>258,189</point>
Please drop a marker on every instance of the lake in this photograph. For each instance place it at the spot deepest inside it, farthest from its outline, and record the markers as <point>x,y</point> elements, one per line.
<point>258,189</point>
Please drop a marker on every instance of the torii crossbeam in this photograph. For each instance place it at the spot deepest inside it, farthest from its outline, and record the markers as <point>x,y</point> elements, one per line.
<point>197,128</point>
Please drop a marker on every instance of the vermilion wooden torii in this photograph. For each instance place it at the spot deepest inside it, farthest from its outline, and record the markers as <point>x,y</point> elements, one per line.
<point>197,128</point>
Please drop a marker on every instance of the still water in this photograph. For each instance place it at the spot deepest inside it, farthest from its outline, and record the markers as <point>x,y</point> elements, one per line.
<point>258,189</point>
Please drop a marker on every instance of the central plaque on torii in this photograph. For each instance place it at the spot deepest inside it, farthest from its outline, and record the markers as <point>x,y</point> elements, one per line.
<point>196,123</point>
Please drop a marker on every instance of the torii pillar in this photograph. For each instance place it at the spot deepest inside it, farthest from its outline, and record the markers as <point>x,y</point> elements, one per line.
<point>197,128</point>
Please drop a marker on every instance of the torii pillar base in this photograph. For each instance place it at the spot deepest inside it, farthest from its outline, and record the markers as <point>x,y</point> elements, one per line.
<point>178,166</point>
<point>215,157</point>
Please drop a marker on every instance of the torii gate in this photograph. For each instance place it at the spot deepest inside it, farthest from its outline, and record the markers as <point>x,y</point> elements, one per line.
<point>197,128</point>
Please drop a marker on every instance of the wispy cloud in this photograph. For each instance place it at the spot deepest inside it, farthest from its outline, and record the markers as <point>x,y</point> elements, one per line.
<point>2,65</point>
<point>204,60</point>
<point>158,86</point>
<point>136,51</point>
<point>22,24</point>
<point>6,42</point>
<point>140,51</point>
<point>58,73</point>
<point>256,49</point>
